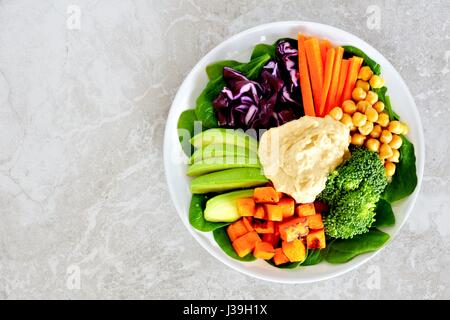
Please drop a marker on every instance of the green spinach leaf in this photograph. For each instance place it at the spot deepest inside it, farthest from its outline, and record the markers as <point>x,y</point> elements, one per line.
<point>387,103</point>
<point>222,239</point>
<point>374,66</point>
<point>262,49</point>
<point>215,70</point>
<point>196,217</point>
<point>404,180</point>
<point>289,265</point>
<point>186,130</point>
<point>315,256</point>
<point>343,250</point>
<point>384,216</point>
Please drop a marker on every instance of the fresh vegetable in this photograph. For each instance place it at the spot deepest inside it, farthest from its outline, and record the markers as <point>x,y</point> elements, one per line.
<point>226,180</point>
<point>223,208</point>
<point>222,150</point>
<point>374,66</point>
<point>305,83</point>
<point>340,251</point>
<point>222,239</point>
<point>295,250</point>
<point>220,163</point>
<point>262,49</point>
<point>314,256</point>
<point>352,191</point>
<point>352,76</point>
<point>315,66</point>
<point>384,216</point>
<point>404,181</point>
<point>331,97</point>
<point>325,45</point>
<point>196,217</point>
<point>224,136</point>
<point>328,73</point>
<point>246,243</point>
<point>264,250</point>
<point>215,70</point>
<point>342,78</point>
<point>381,92</point>
<point>316,239</point>
<point>266,195</point>
<point>186,129</point>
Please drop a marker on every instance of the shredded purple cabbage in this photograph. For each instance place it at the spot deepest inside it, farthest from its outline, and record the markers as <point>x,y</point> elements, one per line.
<point>270,101</point>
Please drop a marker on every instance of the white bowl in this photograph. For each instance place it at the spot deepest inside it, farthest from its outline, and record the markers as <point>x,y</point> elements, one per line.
<point>239,47</point>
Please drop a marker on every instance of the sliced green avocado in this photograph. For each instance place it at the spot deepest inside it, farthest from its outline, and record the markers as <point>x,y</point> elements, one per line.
<point>221,163</point>
<point>223,208</point>
<point>224,136</point>
<point>230,179</point>
<point>221,150</point>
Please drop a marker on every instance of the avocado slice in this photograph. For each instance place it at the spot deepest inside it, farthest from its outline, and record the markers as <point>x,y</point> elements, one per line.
<point>223,208</point>
<point>221,150</point>
<point>226,180</point>
<point>221,163</point>
<point>224,136</point>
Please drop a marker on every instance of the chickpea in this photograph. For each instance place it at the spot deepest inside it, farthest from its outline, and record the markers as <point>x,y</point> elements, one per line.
<point>358,139</point>
<point>395,127</point>
<point>383,119</point>
<point>376,82</point>
<point>371,97</point>
<point>336,113</point>
<point>385,151</point>
<point>405,128</point>
<point>358,94</point>
<point>365,73</point>
<point>347,120</point>
<point>349,106</point>
<point>390,168</point>
<point>362,106</point>
<point>363,85</point>
<point>395,156</point>
<point>376,132</point>
<point>396,142</point>
<point>386,136</point>
<point>379,106</point>
<point>359,119</point>
<point>371,114</point>
<point>366,129</point>
<point>373,145</point>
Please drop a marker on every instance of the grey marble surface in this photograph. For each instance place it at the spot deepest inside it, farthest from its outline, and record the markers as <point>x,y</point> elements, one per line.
<point>84,207</point>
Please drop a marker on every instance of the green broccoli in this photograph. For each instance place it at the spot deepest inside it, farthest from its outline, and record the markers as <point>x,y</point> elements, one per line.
<point>352,191</point>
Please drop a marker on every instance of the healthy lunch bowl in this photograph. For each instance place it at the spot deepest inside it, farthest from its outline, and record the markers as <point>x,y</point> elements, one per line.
<point>293,152</point>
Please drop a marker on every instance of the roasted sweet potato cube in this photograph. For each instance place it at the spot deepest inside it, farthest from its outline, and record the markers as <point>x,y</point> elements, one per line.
<point>263,250</point>
<point>271,238</point>
<point>294,250</point>
<point>274,212</point>
<point>248,223</point>
<point>293,229</point>
<point>246,243</point>
<point>265,195</point>
<point>260,213</point>
<point>316,239</point>
<point>280,257</point>
<point>262,226</point>
<point>315,221</point>
<point>287,207</point>
<point>306,209</point>
<point>236,229</point>
<point>246,207</point>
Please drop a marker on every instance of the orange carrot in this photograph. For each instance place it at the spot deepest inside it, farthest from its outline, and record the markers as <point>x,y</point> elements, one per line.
<point>305,84</point>
<point>342,78</point>
<point>324,46</point>
<point>353,70</point>
<point>315,70</point>
<point>329,63</point>
<point>330,103</point>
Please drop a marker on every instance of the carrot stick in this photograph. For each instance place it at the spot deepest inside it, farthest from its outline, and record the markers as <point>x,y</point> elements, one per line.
<point>331,98</point>
<point>305,84</point>
<point>355,65</point>
<point>329,64</point>
<point>324,46</point>
<point>342,78</point>
<point>315,66</point>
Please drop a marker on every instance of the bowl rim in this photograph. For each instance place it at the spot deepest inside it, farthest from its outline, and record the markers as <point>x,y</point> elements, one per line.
<point>419,153</point>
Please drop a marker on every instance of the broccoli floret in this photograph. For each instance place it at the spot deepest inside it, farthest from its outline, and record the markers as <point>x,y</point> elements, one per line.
<point>352,191</point>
